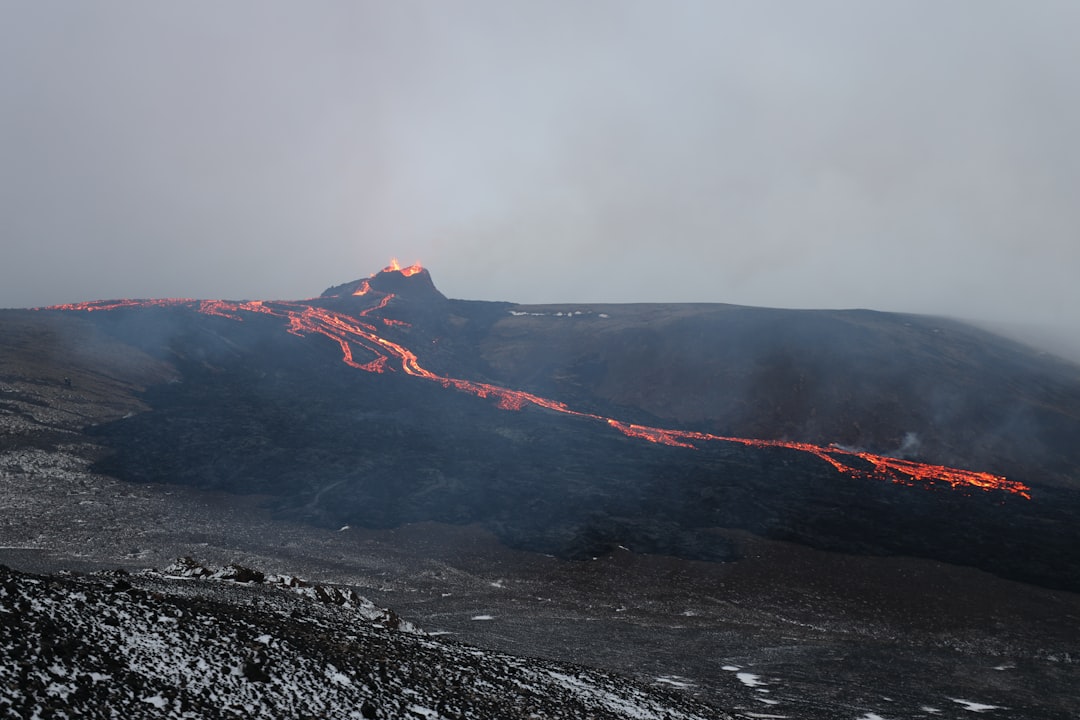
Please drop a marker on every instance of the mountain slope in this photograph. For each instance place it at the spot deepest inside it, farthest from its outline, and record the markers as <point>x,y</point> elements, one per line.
<point>382,403</point>
<point>245,645</point>
<point>923,387</point>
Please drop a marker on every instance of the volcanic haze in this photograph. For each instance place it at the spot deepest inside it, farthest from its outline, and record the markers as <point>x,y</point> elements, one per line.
<point>903,155</point>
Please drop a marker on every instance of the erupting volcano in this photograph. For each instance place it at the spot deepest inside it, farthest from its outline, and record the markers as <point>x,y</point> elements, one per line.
<point>394,266</point>
<point>355,316</point>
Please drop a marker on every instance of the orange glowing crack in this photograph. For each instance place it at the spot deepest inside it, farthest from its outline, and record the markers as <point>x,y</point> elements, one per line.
<point>351,333</point>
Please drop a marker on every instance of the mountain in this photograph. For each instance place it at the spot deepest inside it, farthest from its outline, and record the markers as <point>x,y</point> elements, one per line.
<point>768,490</point>
<point>576,429</point>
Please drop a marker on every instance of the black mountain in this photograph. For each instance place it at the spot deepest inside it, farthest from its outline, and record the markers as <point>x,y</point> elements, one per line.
<point>252,408</point>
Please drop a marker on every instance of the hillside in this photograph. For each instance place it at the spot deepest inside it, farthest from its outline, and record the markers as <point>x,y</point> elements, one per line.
<point>576,431</point>
<point>846,504</point>
<point>195,643</point>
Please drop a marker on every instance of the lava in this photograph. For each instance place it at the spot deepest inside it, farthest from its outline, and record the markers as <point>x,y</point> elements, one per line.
<point>379,354</point>
<point>882,467</point>
<point>96,305</point>
<point>394,266</point>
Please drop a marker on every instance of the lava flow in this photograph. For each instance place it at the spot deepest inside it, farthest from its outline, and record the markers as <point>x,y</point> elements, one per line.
<point>353,333</point>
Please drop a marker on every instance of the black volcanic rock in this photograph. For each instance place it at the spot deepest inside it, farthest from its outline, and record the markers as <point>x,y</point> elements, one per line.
<point>256,409</point>
<point>922,387</point>
<point>73,646</point>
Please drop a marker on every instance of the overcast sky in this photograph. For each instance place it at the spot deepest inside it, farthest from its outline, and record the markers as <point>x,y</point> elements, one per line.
<point>914,156</point>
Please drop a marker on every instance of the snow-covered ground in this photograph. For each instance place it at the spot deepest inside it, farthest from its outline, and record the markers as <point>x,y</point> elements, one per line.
<point>196,643</point>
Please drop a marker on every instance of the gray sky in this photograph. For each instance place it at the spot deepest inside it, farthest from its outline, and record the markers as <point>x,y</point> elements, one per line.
<point>898,155</point>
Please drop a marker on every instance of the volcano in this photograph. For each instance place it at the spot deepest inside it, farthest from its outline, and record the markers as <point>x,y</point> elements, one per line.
<point>677,492</point>
<point>577,429</point>
<point>409,283</point>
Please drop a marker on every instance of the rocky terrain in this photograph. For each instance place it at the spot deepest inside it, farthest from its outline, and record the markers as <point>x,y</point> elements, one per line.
<point>758,580</point>
<point>425,422</point>
<point>194,643</point>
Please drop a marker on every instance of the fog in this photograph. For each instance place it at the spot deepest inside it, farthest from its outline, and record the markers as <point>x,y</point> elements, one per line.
<point>911,156</point>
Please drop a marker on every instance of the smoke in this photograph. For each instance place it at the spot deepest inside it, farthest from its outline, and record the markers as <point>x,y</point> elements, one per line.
<point>909,446</point>
<point>909,156</point>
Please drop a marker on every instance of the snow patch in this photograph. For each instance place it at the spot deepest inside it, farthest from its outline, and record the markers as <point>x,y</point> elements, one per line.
<point>557,313</point>
<point>337,677</point>
<point>749,679</point>
<point>675,681</point>
<point>976,707</point>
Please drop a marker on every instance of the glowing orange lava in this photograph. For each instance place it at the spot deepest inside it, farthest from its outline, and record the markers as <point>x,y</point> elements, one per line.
<point>394,266</point>
<point>882,467</point>
<point>357,334</point>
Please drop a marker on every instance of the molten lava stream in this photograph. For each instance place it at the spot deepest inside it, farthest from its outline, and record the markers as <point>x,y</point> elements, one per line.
<point>342,328</point>
<point>348,331</point>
